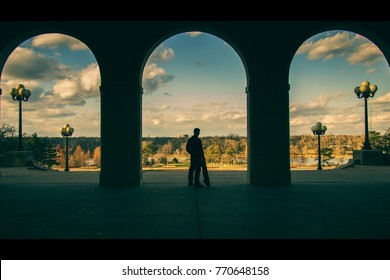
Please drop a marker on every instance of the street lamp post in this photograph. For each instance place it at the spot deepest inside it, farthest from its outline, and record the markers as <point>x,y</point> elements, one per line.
<point>366,90</point>
<point>20,93</point>
<point>319,130</point>
<point>66,131</point>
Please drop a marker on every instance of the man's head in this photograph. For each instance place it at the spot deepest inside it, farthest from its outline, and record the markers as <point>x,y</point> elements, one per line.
<point>196,131</point>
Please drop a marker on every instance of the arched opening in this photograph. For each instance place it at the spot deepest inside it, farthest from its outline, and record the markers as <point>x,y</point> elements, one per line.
<point>323,74</point>
<point>63,77</point>
<point>194,80</point>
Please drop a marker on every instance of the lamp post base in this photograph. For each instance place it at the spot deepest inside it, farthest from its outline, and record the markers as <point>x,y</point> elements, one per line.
<point>18,158</point>
<point>368,157</point>
<point>366,146</point>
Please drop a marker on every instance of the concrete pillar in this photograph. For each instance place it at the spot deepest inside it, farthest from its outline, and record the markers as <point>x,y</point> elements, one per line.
<point>268,134</point>
<point>121,135</point>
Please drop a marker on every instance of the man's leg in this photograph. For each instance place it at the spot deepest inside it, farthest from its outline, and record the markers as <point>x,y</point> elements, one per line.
<point>191,174</point>
<point>197,173</point>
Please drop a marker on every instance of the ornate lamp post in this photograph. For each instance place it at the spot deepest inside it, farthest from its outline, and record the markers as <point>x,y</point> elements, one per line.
<point>66,131</point>
<point>319,130</point>
<point>20,93</point>
<point>366,90</point>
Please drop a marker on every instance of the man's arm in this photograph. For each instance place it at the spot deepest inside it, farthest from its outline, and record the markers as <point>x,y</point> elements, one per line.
<point>188,146</point>
<point>201,148</point>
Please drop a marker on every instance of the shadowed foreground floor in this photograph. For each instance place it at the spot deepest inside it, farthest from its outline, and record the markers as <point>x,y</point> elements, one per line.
<point>352,203</point>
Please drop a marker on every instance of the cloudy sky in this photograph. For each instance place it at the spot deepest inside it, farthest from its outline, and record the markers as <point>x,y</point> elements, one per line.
<point>64,79</point>
<point>194,80</point>
<point>323,75</point>
<point>197,80</point>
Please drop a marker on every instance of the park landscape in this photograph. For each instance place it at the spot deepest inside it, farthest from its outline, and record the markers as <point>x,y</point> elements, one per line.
<point>191,58</point>
<point>168,153</point>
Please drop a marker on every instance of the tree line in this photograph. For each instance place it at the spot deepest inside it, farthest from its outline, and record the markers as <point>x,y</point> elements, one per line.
<point>305,146</point>
<point>50,151</point>
<point>230,149</point>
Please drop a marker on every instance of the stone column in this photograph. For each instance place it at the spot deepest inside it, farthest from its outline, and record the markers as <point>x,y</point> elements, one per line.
<point>121,135</point>
<point>268,133</point>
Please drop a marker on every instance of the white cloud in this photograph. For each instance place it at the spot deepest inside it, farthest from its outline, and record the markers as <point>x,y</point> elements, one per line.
<point>161,54</point>
<point>90,79</point>
<point>227,118</point>
<point>224,112</point>
<point>355,48</point>
<point>165,107</point>
<point>55,40</point>
<point>336,122</point>
<point>381,118</point>
<point>45,113</point>
<point>26,64</point>
<point>319,106</point>
<point>331,45</point>
<point>234,116</point>
<point>346,118</point>
<point>156,121</point>
<point>215,105</point>
<point>319,102</point>
<point>371,71</point>
<point>74,90</point>
<point>152,70</point>
<point>154,77</point>
<point>194,33</point>
<point>181,119</point>
<point>66,89</point>
<point>381,100</point>
<point>29,84</point>
<point>300,121</point>
<point>315,107</point>
<point>367,53</point>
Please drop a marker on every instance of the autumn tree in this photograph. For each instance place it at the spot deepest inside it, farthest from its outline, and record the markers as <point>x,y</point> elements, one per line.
<point>77,159</point>
<point>87,156</point>
<point>213,153</point>
<point>326,155</point>
<point>60,155</point>
<point>149,148</point>
<point>97,156</point>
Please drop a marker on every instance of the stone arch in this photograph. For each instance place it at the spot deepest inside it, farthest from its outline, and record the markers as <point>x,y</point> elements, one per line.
<point>355,28</point>
<point>178,31</point>
<point>27,34</point>
<point>217,34</point>
<point>365,32</point>
<point>22,37</point>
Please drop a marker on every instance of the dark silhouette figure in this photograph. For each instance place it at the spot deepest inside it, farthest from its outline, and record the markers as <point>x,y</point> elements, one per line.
<point>195,148</point>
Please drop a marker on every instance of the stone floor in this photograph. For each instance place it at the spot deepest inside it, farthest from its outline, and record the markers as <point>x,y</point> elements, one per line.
<point>352,203</point>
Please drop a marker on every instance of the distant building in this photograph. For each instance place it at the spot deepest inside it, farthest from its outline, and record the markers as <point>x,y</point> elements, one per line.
<point>183,135</point>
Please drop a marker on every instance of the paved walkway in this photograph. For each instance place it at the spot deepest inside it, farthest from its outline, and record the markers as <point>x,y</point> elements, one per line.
<point>352,203</point>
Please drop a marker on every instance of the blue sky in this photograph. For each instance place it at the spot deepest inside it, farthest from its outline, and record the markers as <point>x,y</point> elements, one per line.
<point>197,80</point>
<point>323,75</point>
<point>205,88</point>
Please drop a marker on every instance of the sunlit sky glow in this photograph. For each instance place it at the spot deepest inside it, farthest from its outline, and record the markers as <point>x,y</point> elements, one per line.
<point>197,80</point>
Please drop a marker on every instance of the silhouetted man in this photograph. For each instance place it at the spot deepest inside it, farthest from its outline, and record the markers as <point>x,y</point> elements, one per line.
<point>195,148</point>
